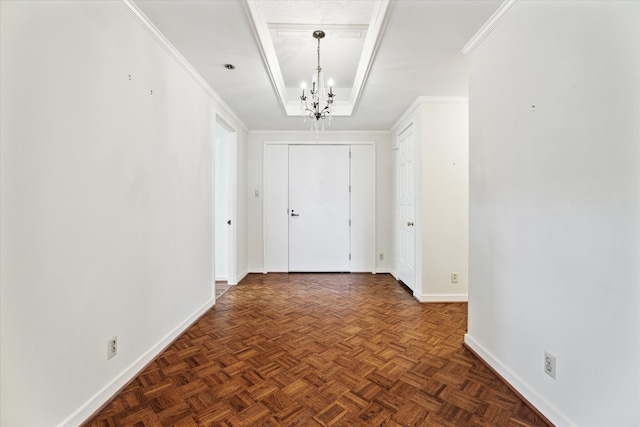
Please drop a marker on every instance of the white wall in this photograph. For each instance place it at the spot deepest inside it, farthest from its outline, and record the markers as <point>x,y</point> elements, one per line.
<point>106,205</point>
<point>555,207</point>
<point>384,184</point>
<point>442,155</point>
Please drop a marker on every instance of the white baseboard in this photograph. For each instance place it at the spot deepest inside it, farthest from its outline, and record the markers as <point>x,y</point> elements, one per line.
<point>442,297</point>
<point>96,402</point>
<point>383,271</point>
<point>518,384</point>
<point>240,277</point>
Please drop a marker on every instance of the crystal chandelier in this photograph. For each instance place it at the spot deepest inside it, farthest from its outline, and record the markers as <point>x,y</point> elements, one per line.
<point>315,111</point>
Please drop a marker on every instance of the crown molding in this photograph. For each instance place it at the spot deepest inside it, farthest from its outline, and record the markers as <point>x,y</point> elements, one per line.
<point>267,51</point>
<point>329,29</point>
<point>326,131</point>
<point>443,100</point>
<point>489,26</point>
<point>155,33</point>
<point>378,24</point>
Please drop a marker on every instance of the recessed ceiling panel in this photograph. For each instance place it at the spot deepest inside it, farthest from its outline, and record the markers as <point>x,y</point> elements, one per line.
<point>353,30</point>
<point>345,12</point>
<point>297,52</point>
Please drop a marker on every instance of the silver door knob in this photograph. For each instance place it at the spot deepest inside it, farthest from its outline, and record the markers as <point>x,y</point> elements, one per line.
<point>409,224</point>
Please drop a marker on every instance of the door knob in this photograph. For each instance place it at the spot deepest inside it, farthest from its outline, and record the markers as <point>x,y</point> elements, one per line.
<point>410,224</point>
<point>294,214</point>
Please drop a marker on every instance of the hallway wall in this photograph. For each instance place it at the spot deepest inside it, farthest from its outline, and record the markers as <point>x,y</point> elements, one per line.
<point>555,207</point>
<point>106,204</point>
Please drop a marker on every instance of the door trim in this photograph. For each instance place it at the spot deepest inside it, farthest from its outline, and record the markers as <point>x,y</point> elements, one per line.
<point>417,197</point>
<point>232,278</point>
<point>341,142</point>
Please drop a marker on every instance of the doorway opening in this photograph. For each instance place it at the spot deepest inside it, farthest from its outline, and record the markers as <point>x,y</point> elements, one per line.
<point>224,212</point>
<point>319,207</point>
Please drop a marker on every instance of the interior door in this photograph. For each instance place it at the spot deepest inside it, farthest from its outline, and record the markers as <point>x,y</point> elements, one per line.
<point>405,208</point>
<point>318,208</point>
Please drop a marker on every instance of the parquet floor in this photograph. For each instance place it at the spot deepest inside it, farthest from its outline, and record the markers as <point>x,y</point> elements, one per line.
<point>221,288</point>
<point>319,350</point>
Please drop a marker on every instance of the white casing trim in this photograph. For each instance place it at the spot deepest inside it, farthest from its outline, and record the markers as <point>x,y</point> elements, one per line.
<point>442,297</point>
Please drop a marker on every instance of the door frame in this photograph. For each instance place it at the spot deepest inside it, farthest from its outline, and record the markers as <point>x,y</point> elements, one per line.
<point>417,197</point>
<point>316,142</point>
<point>398,224</point>
<point>232,139</point>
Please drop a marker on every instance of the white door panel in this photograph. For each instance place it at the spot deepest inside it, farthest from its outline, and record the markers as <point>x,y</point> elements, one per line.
<point>319,208</point>
<point>405,208</point>
<point>363,187</point>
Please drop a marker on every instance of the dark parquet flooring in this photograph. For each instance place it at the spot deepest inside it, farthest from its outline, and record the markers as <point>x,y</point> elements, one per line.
<point>319,350</point>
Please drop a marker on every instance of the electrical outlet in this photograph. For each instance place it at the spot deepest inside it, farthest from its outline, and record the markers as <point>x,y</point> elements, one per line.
<point>381,257</point>
<point>550,364</point>
<point>112,347</point>
<point>454,277</point>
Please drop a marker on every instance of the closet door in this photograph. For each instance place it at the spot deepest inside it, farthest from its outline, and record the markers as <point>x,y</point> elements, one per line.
<point>405,208</point>
<point>319,208</point>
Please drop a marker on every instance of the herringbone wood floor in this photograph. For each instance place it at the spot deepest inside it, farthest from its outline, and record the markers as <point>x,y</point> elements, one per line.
<point>316,350</point>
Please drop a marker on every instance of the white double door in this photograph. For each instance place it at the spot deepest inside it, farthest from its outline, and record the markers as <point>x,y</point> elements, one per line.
<point>318,208</point>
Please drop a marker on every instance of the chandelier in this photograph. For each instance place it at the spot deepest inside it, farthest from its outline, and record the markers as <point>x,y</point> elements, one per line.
<point>319,105</point>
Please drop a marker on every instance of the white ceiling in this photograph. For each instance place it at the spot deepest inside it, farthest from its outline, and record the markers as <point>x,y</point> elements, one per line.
<point>418,52</point>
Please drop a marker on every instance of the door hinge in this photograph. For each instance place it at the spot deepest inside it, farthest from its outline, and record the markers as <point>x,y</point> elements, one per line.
<point>349,223</point>
<point>349,188</point>
<point>349,257</point>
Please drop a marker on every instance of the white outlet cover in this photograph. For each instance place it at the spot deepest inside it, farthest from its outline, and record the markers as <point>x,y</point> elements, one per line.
<point>550,364</point>
<point>112,347</point>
